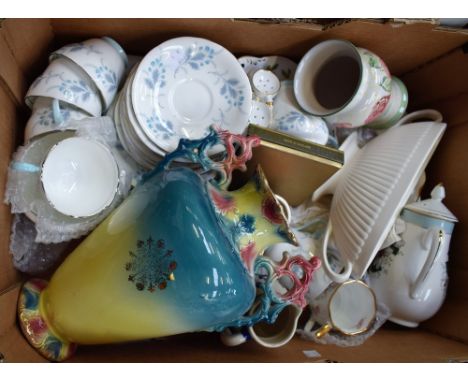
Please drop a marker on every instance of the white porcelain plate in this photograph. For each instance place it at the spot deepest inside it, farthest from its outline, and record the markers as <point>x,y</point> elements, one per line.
<point>185,85</point>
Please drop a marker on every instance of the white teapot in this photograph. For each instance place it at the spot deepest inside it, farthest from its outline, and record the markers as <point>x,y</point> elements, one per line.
<point>412,280</point>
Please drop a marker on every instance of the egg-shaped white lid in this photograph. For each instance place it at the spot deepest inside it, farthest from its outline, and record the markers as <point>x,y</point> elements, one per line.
<point>433,207</point>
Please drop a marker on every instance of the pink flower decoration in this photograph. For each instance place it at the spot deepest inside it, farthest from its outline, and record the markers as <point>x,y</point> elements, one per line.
<point>37,326</point>
<point>271,211</point>
<point>223,203</point>
<point>248,255</point>
<point>378,109</point>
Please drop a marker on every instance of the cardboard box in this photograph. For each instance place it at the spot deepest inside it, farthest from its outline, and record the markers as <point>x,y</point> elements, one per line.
<point>432,61</point>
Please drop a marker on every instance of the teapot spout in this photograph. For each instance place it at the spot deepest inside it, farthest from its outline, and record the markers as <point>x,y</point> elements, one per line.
<point>253,216</point>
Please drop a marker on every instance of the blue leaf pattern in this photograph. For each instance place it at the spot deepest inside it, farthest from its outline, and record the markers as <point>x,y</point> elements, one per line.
<point>232,91</point>
<point>197,57</point>
<point>46,117</point>
<point>156,74</point>
<point>107,77</point>
<point>75,89</point>
<point>290,121</point>
<point>165,129</point>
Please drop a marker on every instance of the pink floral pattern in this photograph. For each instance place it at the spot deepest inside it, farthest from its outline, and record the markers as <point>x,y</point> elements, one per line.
<point>224,203</point>
<point>271,211</point>
<point>248,255</point>
<point>378,109</point>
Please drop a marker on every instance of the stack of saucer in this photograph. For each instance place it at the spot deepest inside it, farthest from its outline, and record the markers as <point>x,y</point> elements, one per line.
<point>180,89</point>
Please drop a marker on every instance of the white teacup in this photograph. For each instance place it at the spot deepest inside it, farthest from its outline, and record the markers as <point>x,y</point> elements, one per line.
<point>66,82</point>
<point>104,61</point>
<point>268,335</point>
<point>349,308</point>
<point>80,177</point>
<point>49,115</point>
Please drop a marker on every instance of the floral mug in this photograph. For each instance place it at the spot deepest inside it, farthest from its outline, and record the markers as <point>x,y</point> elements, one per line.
<point>347,85</point>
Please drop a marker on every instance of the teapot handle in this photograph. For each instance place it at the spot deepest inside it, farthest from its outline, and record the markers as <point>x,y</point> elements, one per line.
<point>431,114</point>
<point>336,277</point>
<point>270,302</point>
<point>437,237</point>
<point>238,152</point>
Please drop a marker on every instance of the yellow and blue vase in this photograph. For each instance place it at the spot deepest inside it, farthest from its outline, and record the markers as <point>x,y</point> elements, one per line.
<point>180,254</point>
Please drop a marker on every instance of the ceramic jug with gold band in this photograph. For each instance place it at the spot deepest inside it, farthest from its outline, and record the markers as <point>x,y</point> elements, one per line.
<point>180,254</point>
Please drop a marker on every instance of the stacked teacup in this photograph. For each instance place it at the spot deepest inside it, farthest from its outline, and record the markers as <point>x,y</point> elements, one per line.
<point>81,81</point>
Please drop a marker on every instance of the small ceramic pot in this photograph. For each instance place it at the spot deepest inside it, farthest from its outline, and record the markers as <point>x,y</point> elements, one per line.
<point>396,107</point>
<point>49,115</point>
<point>103,60</point>
<point>412,280</point>
<point>346,85</point>
<point>349,308</point>
<point>289,118</point>
<point>66,82</point>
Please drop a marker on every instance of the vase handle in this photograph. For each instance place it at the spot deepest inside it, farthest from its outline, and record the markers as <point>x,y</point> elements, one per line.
<point>270,300</point>
<point>238,150</point>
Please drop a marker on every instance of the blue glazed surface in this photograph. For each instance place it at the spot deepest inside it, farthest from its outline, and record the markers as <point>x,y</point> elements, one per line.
<point>426,221</point>
<point>211,285</point>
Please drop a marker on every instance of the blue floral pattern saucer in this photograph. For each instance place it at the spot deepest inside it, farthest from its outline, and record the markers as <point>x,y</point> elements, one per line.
<point>184,86</point>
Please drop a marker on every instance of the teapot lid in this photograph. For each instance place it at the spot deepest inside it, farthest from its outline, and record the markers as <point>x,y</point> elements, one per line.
<point>433,207</point>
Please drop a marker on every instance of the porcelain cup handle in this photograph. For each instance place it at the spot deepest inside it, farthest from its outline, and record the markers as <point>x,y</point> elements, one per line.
<point>437,238</point>
<point>431,114</point>
<point>285,207</point>
<point>56,113</point>
<point>336,277</point>
<point>24,167</point>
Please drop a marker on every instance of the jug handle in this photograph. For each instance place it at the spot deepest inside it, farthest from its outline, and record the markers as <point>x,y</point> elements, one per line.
<point>437,237</point>
<point>238,152</point>
<point>270,302</point>
<point>336,277</point>
<point>431,114</point>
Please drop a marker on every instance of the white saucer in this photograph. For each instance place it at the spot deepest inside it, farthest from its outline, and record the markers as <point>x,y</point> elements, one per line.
<point>185,85</point>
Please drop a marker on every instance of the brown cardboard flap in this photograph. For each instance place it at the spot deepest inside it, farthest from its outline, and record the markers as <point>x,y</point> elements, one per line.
<point>11,77</point>
<point>8,121</point>
<point>458,274</point>
<point>241,37</point>
<point>451,320</point>
<point>454,109</point>
<point>402,47</point>
<point>448,165</point>
<point>440,79</point>
<point>29,41</point>
<point>8,300</point>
